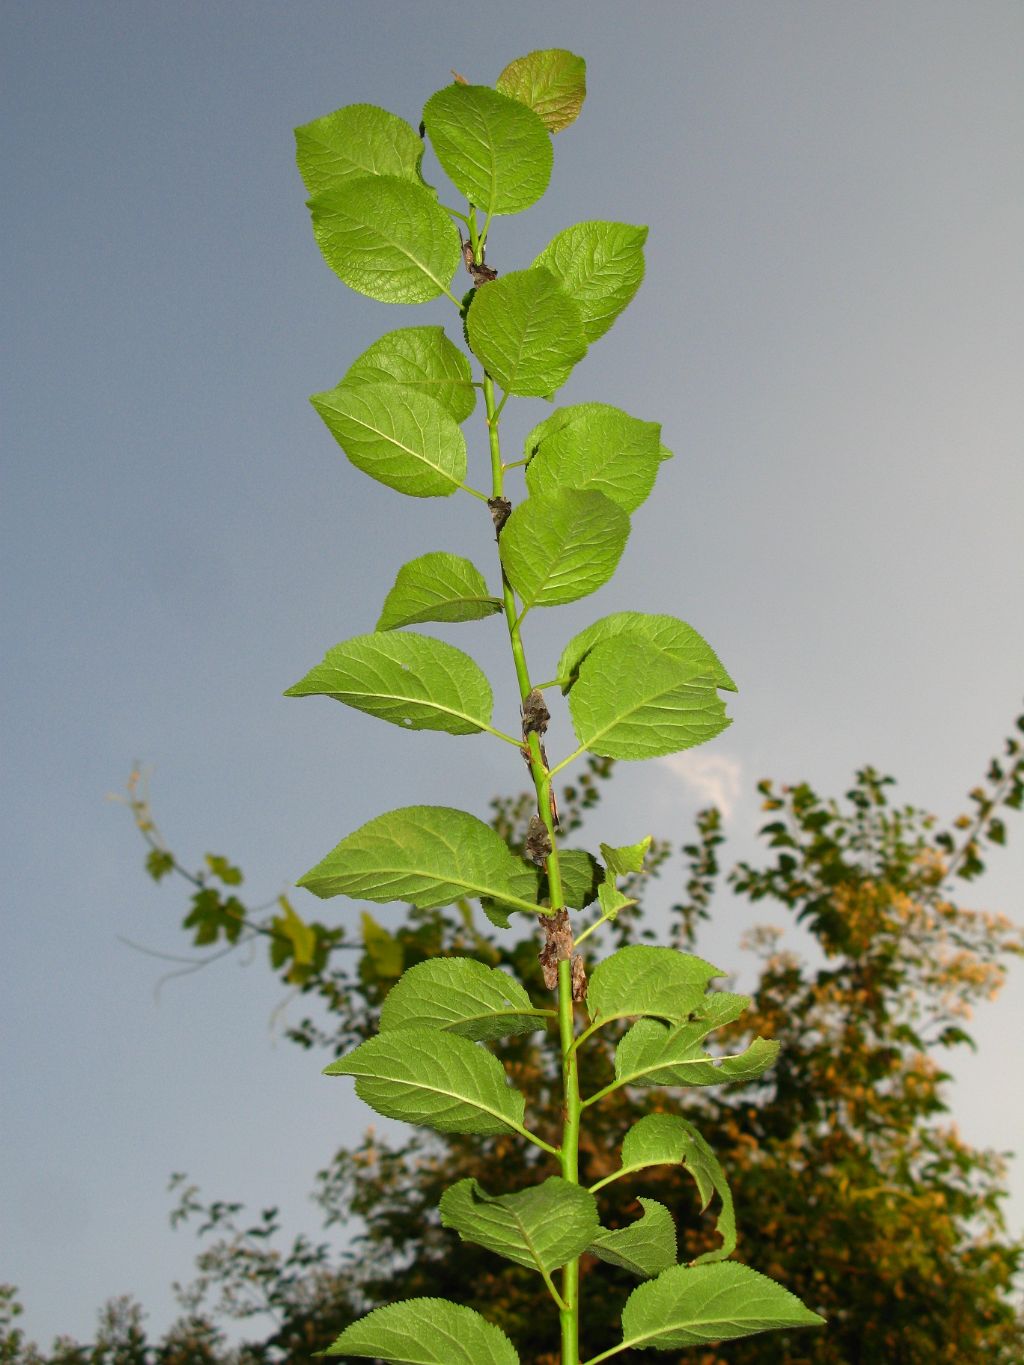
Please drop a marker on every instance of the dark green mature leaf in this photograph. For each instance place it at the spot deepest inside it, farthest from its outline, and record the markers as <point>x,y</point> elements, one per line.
<point>541,1227</point>
<point>463,996</point>
<point>631,701</point>
<point>560,546</point>
<point>692,1305</point>
<point>552,81</point>
<point>494,149</point>
<point>457,1088</point>
<point>423,359</point>
<point>410,680</point>
<point>398,436</point>
<point>426,1332</point>
<point>427,855</point>
<point>437,587</point>
<point>359,140</point>
<point>667,634</point>
<point>581,877</point>
<point>642,979</point>
<point>601,265</point>
<point>652,1053</point>
<point>646,1247</point>
<point>527,332</point>
<point>595,446</point>
<point>667,1139</point>
<point>387,238</point>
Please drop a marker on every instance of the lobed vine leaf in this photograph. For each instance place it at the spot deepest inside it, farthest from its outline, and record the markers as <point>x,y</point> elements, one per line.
<point>458,1088</point>
<point>426,1332</point>
<point>526,331</point>
<point>595,446</point>
<point>552,81</point>
<point>631,701</point>
<point>421,359</point>
<point>601,265</point>
<point>560,546</point>
<point>642,979</point>
<point>693,1305</point>
<point>428,856</point>
<point>669,1140</point>
<point>356,141</point>
<point>653,1053</point>
<point>541,1227</point>
<point>646,1247</point>
<point>460,995</point>
<point>666,634</point>
<point>410,680</point>
<point>437,587</point>
<point>387,238</point>
<point>494,149</point>
<point>398,436</point>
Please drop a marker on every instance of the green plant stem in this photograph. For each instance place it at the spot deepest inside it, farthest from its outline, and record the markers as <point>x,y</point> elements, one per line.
<point>570,1314</point>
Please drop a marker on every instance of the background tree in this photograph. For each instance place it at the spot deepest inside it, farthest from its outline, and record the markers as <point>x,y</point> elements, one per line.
<point>870,1205</point>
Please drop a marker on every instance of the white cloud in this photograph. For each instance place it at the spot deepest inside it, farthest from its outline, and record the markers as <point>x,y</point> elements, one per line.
<point>713,778</point>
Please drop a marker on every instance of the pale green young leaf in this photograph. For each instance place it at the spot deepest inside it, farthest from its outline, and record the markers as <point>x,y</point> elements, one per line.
<point>653,1053</point>
<point>382,948</point>
<point>493,149</point>
<point>423,359</point>
<point>541,1227</point>
<point>437,587</point>
<point>642,979</point>
<point>387,238</point>
<point>526,331</point>
<point>426,1332</point>
<point>552,81</point>
<point>667,634</point>
<point>633,702</point>
<point>561,546</point>
<point>398,436</point>
<point>460,995</point>
<point>693,1305</point>
<point>612,899</point>
<point>410,680</point>
<point>358,140</point>
<point>595,446</point>
<point>428,856</point>
<point>601,265</point>
<point>622,862</point>
<point>459,1087</point>
<point>668,1140</point>
<point>646,1247</point>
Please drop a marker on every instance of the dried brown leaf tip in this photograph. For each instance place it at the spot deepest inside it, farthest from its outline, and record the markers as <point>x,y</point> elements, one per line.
<point>459,78</point>
<point>538,840</point>
<point>557,946</point>
<point>501,510</point>
<point>579,979</point>
<point>535,714</point>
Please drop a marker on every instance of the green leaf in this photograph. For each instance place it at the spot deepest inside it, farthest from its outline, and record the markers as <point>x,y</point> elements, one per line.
<point>633,702</point>
<point>426,1332</point>
<point>398,436</point>
<point>437,587</point>
<point>668,1140</point>
<point>387,238</point>
<point>427,855</point>
<point>463,996</point>
<point>410,680</point>
<point>382,948</point>
<point>561,546</point>
<point>553,82</point>
<point>646,1247</point>
<point>294,939</point>
<point>541,1227</point>
<point>622,862</point>
<point>601,265</point>
<point>493,149</point>
<point>422,359</point>
<point>527,332</point>
<point>159,863</point>
<point>581,877</point>
<point>356,141</point>
<point>459,1087</point>
<point>224,870</point>
<point>595,446</point>
<point>652,1053</point>
<point>612,899</point>
<point>692,1305</point>
<point>641,979</point>
<point>668,635</point>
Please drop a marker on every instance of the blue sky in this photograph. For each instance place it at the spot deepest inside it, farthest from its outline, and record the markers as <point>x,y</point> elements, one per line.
<point>830,333</point>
